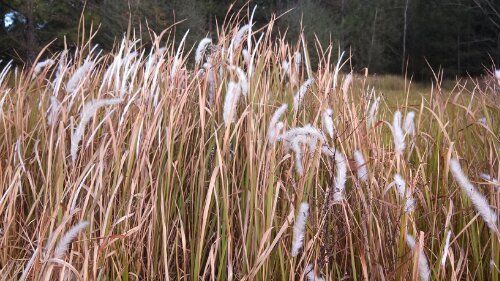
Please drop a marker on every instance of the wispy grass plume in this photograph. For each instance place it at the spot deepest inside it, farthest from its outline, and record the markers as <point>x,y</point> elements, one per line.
<point>346,84</point>
<point>88,111</point>
<point>423,265</point>
<point>311,275</point>
<point>55,107</point>
<point>372,113</point>
<point>67,238</point>
<point>272,129</point>
<point>404,193</point>
<point>299,227</point>
<point>340,172</point>
<point>79,75</point>
<point>299,96</point>
<point>446,248</point>
<point>478,200</point>
<point>361,166</point>
<point>328,122</point>
<point>231,102</point>
<point>41,65</point>
<point>409,124</point>
<point>200,51</point>
<point>398,135</point>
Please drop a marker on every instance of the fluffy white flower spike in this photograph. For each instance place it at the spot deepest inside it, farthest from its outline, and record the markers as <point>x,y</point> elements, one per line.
<point>372,114</point>
<point>397,132</point>
<point>345,85</point>
<point>297,58</point>
<point>69,236</point>
<point>423,265</point>
<point>299,96</point>
<point>242,81</point>
<point>340,172</point>
<point>446,248</point>
<point>238,38</point>
<point>409,123</point>
<point>78,76</point>
<point>202,47</point>
<point>328,122</point>
<point>88,111</point>
<point>479,202</point>
<point>405,194</point>
<point>272,129</point>
<point>361,168</point>
<point>311,275</point>
<point>299,227</point>
<point>231,102</point>
<point>54,111</point>
<point>41,65</point>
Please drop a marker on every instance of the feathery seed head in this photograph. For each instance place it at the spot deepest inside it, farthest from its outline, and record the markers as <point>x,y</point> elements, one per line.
<point>202,47</point>
<point>231,102</point>
<point>478,200</point>
<point>423,265</point>
<point>299,96</point>
<point>299,227</point>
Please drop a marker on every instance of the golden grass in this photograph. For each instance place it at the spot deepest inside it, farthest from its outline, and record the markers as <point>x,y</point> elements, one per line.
<point>171,193</point>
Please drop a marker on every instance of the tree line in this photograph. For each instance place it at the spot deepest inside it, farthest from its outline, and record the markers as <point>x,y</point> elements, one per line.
<point>388,36</point>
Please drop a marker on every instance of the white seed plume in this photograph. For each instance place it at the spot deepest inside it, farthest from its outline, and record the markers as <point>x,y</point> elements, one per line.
<point>409,124</point>
<point>340,172</point>
<point>63,244</point>
<point>231,102</point>
<point>328,122</point>
<point>202,47</point>
<point>272,129</point>
<point>88,111</point>
<point>297,149</point>
<point>242,81</point>
<point>78,76</point>
<point>497,73</point>
<point>423,265</point>
<point>238,38</point>
<point>246,57</point>
<point>340,176</point>
<point>478,200</point>
<point>361,168</point>
<point>299,96</point>
<point>285,67</point>
<point>346,84</point>
<point>211,82</point>
<point>178,56</point>
<point>397,132</point>
<point>62,63</point>
<point>372,114</point>
<point>489,178</point>
<point>311,276</point>
<point>405,194</point>
<point>299,227</point>
<point>307,130</point>
<point>297,57</point>
<point>41,65</point>
<point>446,248</point>
<point>53,111</point>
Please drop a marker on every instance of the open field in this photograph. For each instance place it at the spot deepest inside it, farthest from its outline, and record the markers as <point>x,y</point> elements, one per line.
<point>142,165</point>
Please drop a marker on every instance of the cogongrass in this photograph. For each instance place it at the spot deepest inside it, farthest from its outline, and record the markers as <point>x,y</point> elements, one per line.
<point>171,191</point>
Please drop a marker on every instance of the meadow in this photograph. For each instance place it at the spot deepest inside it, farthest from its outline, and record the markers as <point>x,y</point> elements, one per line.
<point>235,160</point>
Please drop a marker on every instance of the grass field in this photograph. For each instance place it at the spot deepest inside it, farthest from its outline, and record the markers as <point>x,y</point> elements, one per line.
<point>142,165</point>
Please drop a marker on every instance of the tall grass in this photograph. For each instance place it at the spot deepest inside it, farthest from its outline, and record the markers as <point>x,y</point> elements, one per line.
<point>170,191</point>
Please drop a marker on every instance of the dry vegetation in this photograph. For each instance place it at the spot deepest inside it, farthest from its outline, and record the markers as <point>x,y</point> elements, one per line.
<point>156,186</point>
